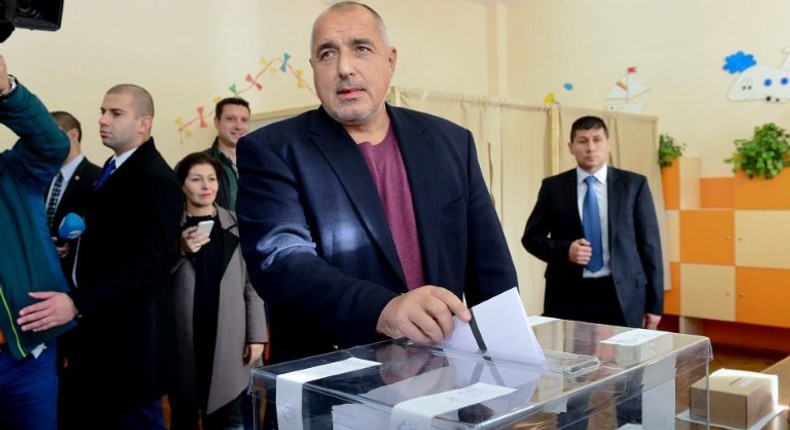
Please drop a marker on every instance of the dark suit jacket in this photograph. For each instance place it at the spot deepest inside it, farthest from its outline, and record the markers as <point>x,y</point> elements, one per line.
<point>634,243</point>
<point>316,240</point>
<point>124,339</point>
<point>75,199</point>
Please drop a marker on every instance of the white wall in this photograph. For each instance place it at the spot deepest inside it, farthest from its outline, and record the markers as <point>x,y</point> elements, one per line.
<point>679,47</point>
<point>188,52</point>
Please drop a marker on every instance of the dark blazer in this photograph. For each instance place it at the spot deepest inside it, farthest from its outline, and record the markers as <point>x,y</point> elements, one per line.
<point>75,199</point>
<point>78,190</point>
<point>634,243</point>
<point>123,343</point>
<point>316,240</point>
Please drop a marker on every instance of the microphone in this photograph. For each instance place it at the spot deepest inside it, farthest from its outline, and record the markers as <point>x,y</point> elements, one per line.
<point>71,227</point>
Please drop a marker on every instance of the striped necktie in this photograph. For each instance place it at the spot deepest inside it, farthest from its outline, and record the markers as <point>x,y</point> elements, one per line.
<point>54,196</point>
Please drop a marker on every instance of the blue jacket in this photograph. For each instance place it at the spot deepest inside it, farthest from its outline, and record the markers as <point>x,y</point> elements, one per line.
<point>28,260</point>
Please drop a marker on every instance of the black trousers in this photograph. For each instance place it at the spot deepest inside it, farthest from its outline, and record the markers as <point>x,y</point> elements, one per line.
<point>596,302</point>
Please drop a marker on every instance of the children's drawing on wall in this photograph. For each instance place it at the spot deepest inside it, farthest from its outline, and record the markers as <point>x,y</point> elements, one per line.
<point>755,82</point>
<point>273,66</point>
<point>626,89</point>
<point>551,98</point>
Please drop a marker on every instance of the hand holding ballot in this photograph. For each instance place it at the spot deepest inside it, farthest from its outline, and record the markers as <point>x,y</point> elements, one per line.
<point>498,329</point>
<point>423,315</point>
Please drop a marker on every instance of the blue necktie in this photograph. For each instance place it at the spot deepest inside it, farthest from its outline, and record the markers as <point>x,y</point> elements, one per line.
<point>592,225</point>
<point>105,174</point>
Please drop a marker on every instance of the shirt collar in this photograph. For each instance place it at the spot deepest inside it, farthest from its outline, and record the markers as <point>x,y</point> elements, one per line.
<point>68,169</point>
<point>120,159</point>
<point>600,175</point>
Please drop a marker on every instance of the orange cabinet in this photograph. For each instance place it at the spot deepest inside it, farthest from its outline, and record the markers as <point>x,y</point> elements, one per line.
<point>680,183</point>
<point>762,296</point>
<point>707,291</point>
<point>762,239</point>
<point>717,193</point>
<point>706,236</point>
<point>672,240</point>
<point>760,193</point>
<point>728,241</point>
<point>672,296</point>
<point>670,181</point>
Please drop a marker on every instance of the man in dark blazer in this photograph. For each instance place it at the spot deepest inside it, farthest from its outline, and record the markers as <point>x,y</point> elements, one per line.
<point>78,177</point>
<point>628,289</point>
<point>121,351</point>
<point>359,220</point>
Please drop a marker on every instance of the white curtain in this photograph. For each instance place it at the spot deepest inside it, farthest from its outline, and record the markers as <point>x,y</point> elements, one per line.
<point>519,144</point>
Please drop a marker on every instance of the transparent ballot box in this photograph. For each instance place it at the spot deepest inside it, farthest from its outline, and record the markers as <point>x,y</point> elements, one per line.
<point>594,375</point>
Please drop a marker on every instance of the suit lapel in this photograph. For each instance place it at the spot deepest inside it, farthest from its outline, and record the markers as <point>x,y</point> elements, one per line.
<point>72,186</point>
<point>136,162</point>
<point>342,154</point>
<point>230,240</point>
<point>613,194</point>
<point>570,188</point>
<point>425,188</point>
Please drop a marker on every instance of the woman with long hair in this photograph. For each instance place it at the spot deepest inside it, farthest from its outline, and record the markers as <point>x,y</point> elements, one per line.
<point>220,320</point>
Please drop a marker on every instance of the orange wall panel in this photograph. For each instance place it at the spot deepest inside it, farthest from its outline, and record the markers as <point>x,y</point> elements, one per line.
<point>762,296</point>
<point>706,236</point>
<point>717,193</point>
<point>672,296</point>
<point>760,193</point>
<point>670,181</point>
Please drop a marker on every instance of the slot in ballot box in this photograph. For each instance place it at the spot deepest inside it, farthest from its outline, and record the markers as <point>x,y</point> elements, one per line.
<point>596,375</point>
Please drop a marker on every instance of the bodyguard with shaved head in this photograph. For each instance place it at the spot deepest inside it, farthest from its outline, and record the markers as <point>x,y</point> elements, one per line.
<point>120,354</point>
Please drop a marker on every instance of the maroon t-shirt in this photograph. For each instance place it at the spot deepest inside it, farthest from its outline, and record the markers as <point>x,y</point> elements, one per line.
<point>386,165</point>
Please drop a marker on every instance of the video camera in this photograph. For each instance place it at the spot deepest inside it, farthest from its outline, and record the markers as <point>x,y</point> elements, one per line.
<point>32,14</point>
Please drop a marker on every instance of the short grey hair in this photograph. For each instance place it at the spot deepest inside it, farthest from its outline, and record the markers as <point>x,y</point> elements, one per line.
<point>346,5</point>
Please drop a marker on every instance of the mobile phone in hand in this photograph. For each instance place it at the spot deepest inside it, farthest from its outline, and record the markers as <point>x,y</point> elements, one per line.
<point>205,227</point>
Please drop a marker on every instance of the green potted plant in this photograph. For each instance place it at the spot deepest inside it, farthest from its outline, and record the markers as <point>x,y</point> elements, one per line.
<point>765,154</point>
<point>668,150</point>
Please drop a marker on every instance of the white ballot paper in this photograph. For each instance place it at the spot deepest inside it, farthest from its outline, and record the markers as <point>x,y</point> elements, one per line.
<point>499,329</point>
<point>634,337</point>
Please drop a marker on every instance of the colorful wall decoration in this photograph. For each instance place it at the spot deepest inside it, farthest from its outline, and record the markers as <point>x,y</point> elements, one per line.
<point>273,66</point>
<point>625,89</point>
<point>755,82</point>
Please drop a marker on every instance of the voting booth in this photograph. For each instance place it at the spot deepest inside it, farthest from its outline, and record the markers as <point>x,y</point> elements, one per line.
<point>614,376</point>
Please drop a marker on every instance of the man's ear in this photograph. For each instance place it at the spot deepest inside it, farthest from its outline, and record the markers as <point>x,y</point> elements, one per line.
<point>73,135</point>
<point>146,123</point>
<point>392,57</point>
